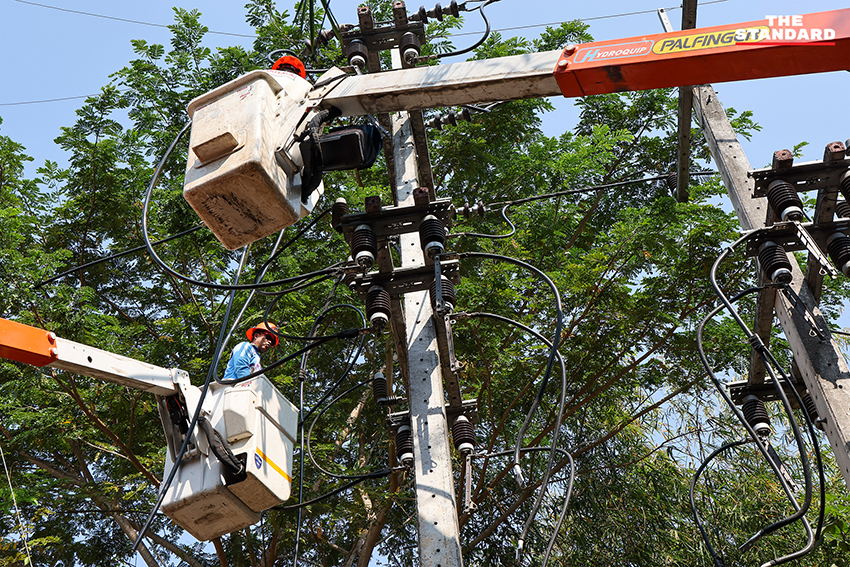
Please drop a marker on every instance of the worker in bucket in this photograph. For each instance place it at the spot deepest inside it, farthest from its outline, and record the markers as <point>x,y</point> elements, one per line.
<point>245,358</point>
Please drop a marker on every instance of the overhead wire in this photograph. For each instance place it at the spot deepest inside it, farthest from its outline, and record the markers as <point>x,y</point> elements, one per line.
<point>378,474</point>
<point>313,423</point>
<point>253,36</point>
<point>24,536</point>
<point>492,236</point>
<point>506,204</point>
<point>210,285</point>
<point>116,256</point>
<point>754,438</point>
<point>302,374</point>
<point>329,392</point>
<point>475,45</point>
<point>799,510</point>
<point>591,189</point>
<point>196,415</point>
<point>589,19</point>
<point>718,562</point>
<point>124,19</point>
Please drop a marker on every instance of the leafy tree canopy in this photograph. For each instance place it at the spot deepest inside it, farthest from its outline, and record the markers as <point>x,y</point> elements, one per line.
<point>85,458</point>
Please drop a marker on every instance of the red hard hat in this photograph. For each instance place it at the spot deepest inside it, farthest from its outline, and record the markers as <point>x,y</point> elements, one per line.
<point>270,328</point>
<point>292,62</point>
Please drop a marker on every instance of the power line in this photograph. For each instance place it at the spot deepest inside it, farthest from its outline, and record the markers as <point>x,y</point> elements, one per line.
<point>609,16</point>
<point>54,99</point>
<point>122,19</point>
<point>15,502</point>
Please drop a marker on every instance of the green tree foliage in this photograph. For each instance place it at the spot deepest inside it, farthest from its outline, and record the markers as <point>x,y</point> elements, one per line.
<point>85,458</point>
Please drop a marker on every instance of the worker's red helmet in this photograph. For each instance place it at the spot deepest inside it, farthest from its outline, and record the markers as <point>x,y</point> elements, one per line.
<point>291,64</point>
<point>270,328</point>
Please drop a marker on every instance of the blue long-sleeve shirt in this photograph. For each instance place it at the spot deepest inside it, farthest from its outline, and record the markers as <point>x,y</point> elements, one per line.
<point>244,360</point>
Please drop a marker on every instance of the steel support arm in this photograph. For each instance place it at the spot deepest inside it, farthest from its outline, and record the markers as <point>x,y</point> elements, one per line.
<point>689,57</point>
<point>38,347</point>
<point>470,82</point>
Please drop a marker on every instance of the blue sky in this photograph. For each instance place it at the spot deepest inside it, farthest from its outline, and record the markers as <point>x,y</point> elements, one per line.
<point>50,54</point>
<point>54,54</point>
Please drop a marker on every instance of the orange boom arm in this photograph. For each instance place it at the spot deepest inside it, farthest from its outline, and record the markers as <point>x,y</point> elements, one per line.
<point>773,47</point>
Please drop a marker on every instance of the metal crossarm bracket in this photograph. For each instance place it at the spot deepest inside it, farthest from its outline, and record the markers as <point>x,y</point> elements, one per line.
<point>809,176</point>
<point>402,280</point>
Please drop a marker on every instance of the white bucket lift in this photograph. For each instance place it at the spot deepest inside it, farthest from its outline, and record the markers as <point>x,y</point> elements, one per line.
<point>260,425</point>
<point>237,181</point>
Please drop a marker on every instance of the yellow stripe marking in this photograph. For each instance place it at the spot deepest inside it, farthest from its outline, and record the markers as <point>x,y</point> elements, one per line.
<point>272,465</point>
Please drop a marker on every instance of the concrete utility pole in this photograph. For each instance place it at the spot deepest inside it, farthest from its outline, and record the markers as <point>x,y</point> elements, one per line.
<point>436,506</point>
<point>820,361</point>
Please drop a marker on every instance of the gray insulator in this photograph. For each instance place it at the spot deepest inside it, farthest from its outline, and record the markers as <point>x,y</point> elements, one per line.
<point>447,290</point>
<point>842,209</point>
<point>755,413</point>
<point>378,307</point>
<point>463,435</point>
<point>784,200</point>
<point>811,410</point>
<point>838,246</point>
<point>404,445</point>
<point>350,278</point>
<point>379,388</point>
<point>432,236</point>
<point>775,263</point>
<point>364,246</point>
<point>844,185</point>
<point>338,210</point>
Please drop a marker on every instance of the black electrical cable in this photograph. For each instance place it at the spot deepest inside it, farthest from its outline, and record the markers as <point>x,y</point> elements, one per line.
<point>220,448</point>
<point>567,497</point>
<point>758,443</point>
<point>313,423</point>
<point>282,361</point>
<point>115,256</point>
<point>309,337</point>
<point>553,351</point>
<point>562,516</point>
<point>351,362</point>
<point>556,432</point>
<point>276,253</point>
<point>247,302</point>
<point>770,364</point>
<point>480,41</point>
<point>302,374</point>
<point>378,474</point>
<point>210,374</point>
<point>718,562</point>
<point>748,427</point>
<point>492,236</point>
<point>591,189</point>
<point>297,287</point>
